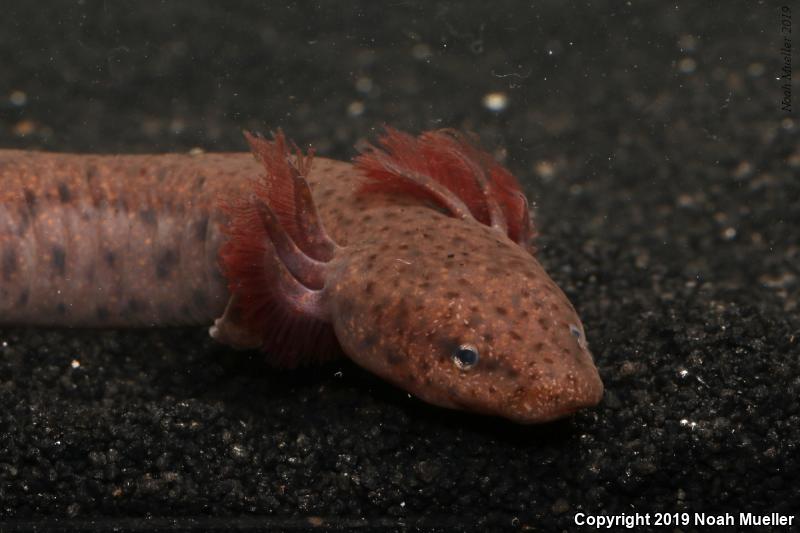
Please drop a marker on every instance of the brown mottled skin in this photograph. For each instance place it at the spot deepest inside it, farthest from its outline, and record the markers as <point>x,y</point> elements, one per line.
<point>111,241</point>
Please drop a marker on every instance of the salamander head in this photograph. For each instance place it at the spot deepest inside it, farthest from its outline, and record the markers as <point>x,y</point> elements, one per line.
<point>464,318</point>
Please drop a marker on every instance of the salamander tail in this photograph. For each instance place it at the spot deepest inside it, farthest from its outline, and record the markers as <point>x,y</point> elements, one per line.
<point>275,261</point>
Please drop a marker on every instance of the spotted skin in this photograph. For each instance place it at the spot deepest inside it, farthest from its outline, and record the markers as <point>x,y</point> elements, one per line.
<point>429,284</point>
<point>116,241</point>
<point>113,241</point>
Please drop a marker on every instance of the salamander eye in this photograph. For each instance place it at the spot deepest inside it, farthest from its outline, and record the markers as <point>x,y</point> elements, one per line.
<point>578,334</point>
<point>466,356</point>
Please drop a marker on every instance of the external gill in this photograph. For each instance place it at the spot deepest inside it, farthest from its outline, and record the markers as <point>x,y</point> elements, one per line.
<point>276,261</point>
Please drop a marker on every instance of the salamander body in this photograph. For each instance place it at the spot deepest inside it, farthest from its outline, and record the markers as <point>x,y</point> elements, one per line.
<point>415,262</point>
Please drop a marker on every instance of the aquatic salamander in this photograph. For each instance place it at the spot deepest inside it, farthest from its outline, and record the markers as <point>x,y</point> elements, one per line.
<point>415,261</point>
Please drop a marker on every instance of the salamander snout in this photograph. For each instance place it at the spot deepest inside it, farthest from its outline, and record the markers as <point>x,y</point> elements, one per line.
<point>554,396</point>
<point>532,387</point>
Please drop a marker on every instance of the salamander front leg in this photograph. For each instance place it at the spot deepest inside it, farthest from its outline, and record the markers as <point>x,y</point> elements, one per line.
<point>228,329</point>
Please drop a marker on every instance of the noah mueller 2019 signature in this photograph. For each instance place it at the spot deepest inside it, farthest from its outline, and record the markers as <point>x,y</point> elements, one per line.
<point>786,52</point>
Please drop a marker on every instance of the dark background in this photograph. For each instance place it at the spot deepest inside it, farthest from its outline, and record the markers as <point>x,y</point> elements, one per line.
<point>666,181</point>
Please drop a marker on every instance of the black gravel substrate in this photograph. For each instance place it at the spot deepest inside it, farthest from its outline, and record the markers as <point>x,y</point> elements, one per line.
<point>665,174</point>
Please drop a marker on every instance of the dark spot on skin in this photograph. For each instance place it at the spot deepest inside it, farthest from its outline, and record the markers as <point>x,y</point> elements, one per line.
<point>393,358</point>
<point>135,306</point>
<point>64,194</point>
<point>425,285</point>
<point>199,298</point>
<point>501,311</point>
<point>59,260</point>
<point>538,347</point>
<point>514,335</point>
<point>201,180</point>
<point>165,264</point>
<point>24,222</point>
<point>488,338</point>
<point>148,216</point>
<point>544,324</point>
<point>401,317</point>
<point>403,247</point>
<point>411,378</point>
<point>102,313</point>
<point>30,200</point>
<point>452,294</point>
<point>450,256</point>
<point>110,258</point>
<point>547,360</point>
<point>370,287</point>
<point>61,309</point>
<point>346,307</point>
<point>22,301</point>
<point>451,391</point>
<point>490,365</point>
<point>475,320</point>
<point>91,173</point>
<point>201,228</point>
<point>369,341</point>
<point>9,263</point>
<point>511,372</point>
<point>524,313</point>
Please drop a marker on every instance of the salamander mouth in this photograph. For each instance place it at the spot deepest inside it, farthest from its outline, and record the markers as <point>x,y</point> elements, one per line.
<point>588,394</point>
